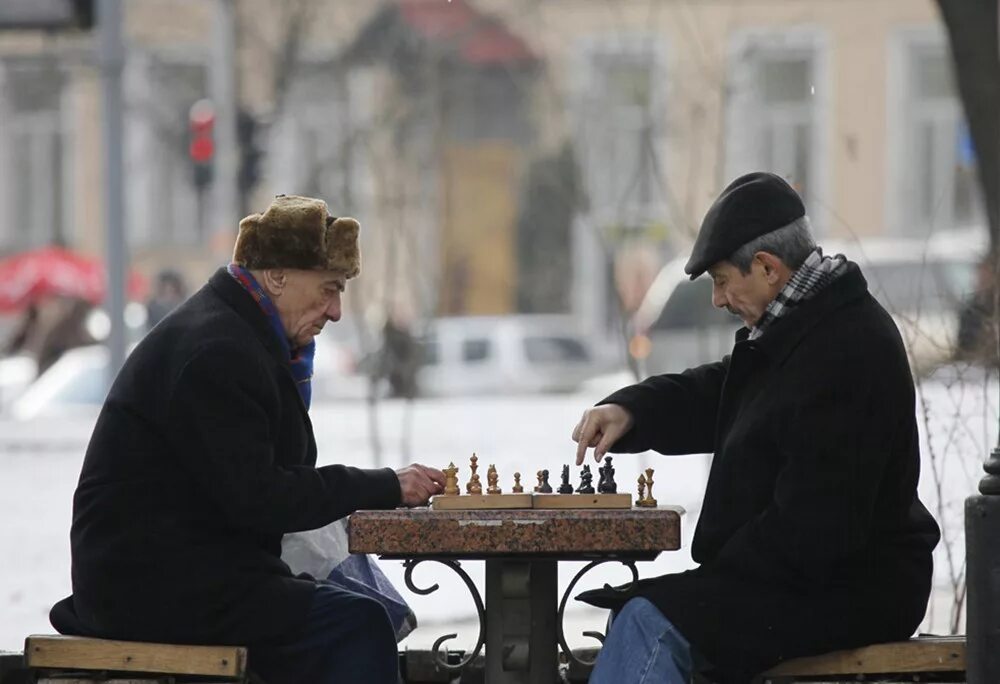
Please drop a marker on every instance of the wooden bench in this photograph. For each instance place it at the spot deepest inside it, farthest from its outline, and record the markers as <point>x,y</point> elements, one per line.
<point>920,659</point>
<point>54,657</point>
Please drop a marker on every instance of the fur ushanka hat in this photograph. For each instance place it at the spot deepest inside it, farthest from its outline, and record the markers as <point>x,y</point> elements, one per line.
<point>298,232</point>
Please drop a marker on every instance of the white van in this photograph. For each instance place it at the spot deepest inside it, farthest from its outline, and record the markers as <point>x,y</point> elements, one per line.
<point>517,354</point>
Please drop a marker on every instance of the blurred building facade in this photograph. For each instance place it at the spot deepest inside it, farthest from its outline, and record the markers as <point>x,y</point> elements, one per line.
<point>502,155</point>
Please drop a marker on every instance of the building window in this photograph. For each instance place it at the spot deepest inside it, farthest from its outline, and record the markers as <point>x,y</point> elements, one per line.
<point>314,144</point>
<point>772,118</point>
<point>936,167</point>
<point>33,171</point>
<point>476,350</point>
<point>620,134</point>
<point>163,204</point>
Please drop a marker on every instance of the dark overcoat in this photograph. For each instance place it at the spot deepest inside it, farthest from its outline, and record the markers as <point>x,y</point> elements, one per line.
<point>811,536</point>
<point>202,458</point>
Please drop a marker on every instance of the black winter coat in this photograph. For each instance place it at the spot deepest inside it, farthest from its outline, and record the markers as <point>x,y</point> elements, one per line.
<point>202,458</point>
<point>811,536</point>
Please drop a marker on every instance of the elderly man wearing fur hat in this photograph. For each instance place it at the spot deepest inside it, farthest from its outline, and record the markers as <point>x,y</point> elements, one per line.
<point>811,537</point>
<point>203,457</point>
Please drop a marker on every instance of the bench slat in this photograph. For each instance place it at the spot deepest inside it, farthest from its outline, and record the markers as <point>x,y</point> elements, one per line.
<point>132,656</point>
<point>924,654</point>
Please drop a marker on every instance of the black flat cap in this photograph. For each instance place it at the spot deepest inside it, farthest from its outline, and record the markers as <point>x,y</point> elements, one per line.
<point>752,205</point>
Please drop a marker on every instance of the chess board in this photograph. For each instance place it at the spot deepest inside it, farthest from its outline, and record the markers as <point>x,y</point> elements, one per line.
<point>563,501</point>
<point>471,502</point>
<point>542,498</point>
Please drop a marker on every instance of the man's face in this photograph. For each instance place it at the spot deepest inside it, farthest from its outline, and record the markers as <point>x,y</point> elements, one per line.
<point>308,300</point>
<point>744,295</point>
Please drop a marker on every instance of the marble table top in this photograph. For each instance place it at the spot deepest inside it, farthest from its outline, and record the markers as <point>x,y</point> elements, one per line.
<point>637,533</point>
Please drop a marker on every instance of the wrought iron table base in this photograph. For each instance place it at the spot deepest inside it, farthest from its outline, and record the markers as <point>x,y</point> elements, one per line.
<point>522,629</point>
<point>521,622</point>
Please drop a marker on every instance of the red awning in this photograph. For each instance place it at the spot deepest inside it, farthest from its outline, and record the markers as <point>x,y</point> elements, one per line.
<point>31,276</point>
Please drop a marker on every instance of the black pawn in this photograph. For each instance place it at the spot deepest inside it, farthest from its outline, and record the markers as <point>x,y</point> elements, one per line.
<point>607,484</point>
<point>546,488</point>
<point>586,481</point>
<point>565,487</point>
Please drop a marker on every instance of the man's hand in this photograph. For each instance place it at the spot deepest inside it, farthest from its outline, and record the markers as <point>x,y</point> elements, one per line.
<point>600,427</point>
<point>418,483</point>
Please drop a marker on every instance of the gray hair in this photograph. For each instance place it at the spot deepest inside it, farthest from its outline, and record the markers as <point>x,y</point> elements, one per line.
<point>791,243</point>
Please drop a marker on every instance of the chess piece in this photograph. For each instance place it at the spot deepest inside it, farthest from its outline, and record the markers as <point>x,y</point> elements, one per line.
<point>451,480</point>
<point>517,489</point>
<point>607,484</point>
<point>649,487</point>
<point>538,487</point>
<point>491,480</point>
<point>586,481</point>
<point>565,487</point>
<point>475,486</point>
<point>473,465</point>
<point>646,483</point>
<point>545,487</point>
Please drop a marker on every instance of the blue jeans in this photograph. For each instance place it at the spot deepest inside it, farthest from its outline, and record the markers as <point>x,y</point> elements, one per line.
<point>346,637</point>
<point>643,647</point>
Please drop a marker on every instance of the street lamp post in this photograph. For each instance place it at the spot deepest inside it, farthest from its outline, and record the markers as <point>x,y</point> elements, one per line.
<point>112,61</point>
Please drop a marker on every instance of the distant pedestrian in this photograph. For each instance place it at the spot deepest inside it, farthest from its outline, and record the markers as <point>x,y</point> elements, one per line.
<point>977,324</point>
<point>169,292</point>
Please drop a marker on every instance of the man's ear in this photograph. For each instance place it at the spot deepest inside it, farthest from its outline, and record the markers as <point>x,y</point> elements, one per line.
<point>773,266</point>
<point>273,280</point>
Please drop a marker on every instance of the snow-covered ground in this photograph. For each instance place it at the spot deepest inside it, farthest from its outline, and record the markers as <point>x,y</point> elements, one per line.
<point>40,462</point>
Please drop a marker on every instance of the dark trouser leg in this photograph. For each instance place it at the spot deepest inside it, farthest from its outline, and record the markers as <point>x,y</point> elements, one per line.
<point>346,638</point>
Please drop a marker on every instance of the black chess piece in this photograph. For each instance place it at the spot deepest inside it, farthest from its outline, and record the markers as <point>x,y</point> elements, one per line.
<point>586,481</point>
<point>546,488</point>
<point>607,484</point>
<point>565,487</point>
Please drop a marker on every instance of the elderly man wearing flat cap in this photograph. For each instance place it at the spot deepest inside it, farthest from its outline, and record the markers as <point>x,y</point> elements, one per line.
<point>811,537</point>
<point>203,457</point>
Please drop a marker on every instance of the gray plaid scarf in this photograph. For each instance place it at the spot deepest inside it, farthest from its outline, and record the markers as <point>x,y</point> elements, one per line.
<point>815,273</point>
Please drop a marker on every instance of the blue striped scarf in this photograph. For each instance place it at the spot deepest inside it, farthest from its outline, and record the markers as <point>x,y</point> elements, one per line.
<point>300,360</point>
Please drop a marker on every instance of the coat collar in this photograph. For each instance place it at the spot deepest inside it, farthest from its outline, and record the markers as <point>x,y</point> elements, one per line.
<point>233,294</point>
<point>786,332</point>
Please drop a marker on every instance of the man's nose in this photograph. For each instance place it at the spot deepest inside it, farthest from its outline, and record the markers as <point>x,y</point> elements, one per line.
<point>333,311</point>
<point>718,297</point>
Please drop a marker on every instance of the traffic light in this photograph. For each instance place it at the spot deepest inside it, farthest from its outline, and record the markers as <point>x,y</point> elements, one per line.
<point>201,146</point>
<point>247,135</point>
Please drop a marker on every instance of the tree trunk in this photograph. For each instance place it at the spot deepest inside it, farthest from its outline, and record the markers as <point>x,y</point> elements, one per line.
<point>972,32</point>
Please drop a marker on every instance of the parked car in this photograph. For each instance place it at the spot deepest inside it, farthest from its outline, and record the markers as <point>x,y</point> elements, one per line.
<point>503,355</point>
<point>16,374</point>
<point>340,372</point>
<point>75,385</point>
<point>922,283</point>
<point>78,382</point>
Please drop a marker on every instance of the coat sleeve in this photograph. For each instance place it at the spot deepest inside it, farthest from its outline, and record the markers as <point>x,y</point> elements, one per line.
<point>845,424</point>
<point>221,409</point>
<point>674,413</point>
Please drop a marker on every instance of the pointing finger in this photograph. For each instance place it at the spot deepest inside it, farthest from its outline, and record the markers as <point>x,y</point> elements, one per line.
<point>586,435</point>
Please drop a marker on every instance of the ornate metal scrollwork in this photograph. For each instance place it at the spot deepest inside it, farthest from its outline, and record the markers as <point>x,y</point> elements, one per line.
<point>569,590</point>
<point>442,660</point>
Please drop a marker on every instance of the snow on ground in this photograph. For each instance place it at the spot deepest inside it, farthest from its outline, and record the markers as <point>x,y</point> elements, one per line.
<point>40,463</point>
